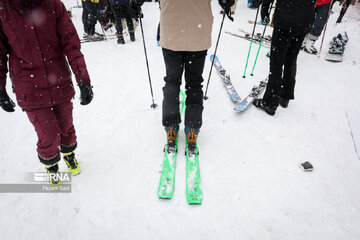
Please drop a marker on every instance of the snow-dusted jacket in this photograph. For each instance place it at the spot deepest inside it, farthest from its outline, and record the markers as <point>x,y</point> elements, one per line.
<point>38,36</point>
<point>118,2</point>
<point>186,25</point>
<point>322,2</point>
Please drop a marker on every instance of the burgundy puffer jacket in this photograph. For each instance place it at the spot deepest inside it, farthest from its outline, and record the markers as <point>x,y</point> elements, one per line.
<point>38,35</point>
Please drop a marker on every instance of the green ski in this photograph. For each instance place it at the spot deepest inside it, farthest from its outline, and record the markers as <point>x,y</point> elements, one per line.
<point>167,178</point>
<point>193,180</point>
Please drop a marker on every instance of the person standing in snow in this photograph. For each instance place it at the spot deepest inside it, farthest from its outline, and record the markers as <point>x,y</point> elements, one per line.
<point>120,9</point>
<point>293,20</point>
<point>89,19</point>
<point>38,36</point>
<point>322,8</point>
<point>185,37</point>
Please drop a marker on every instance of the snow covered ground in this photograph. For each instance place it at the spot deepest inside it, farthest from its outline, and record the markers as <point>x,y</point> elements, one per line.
<point>252,184</point>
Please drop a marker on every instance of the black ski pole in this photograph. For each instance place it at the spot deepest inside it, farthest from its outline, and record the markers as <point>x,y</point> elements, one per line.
<point>153,105</point>
<point>343,11</point>
<point>212,62</point>
<point>262,39</point>
<point>252,38</point>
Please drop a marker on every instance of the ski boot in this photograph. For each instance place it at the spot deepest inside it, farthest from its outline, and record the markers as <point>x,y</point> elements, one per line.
<point>132,36</point>
<point>171,135</point>
<point>72,163</point>
<point>191,138</point>
<point>259,103</point>
<point>120,39</point>
<point>53,170</point>
<point>284,102</point>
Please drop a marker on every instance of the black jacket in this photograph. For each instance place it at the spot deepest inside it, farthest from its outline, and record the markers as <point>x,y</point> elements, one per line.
<point>294,15</point>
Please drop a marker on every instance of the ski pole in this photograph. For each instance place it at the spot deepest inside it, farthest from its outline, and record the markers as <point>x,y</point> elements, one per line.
<point>252,37</point>
<point>322,40</point>
<point>153,105</point>
<point>343,11</point>
<point>212,62</point>
<point>262,39</point>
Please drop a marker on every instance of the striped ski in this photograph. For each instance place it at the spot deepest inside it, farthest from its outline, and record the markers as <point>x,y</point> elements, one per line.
<point>254,93</point>
<point>234,96</point>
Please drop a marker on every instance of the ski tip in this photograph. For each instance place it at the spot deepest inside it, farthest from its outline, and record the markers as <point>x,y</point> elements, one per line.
<point>164,198</point>
<point>244,76</point>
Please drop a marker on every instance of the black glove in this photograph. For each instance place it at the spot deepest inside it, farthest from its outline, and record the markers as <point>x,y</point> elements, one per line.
<point>226,5</point>
<point>86,93</point>
<point>5,102</point>
<point>135,7</point>
<point>265,17</point>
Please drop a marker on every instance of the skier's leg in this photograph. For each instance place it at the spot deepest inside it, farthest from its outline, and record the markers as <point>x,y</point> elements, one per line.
<point>48,132</point>
<point>174,63</point>
<point>128,17</point>
<point>85,16</point>
<point>117,16</point>
<point>194,66</point>
<point>279,47</point>
<point>320,20</point>
<point>290,67</point>
<point>93,16</point>
<point>63,113</point>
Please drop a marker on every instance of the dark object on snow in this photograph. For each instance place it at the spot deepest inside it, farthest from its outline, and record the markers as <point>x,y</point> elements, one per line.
<point>259,103</point>
<point>5,102</point>
<point>284,102</point>
<point>306,166</point>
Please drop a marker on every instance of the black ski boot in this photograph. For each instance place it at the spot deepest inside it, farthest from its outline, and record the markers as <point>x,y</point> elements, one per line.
<point>120,39</point>
<point>132,36</point>
<point>284,102</point>
<point>259,103</point>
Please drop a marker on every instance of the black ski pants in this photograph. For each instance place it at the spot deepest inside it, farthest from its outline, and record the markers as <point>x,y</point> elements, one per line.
<point>193,64</point>
<point>122,11</point>
<point>89,16</point>
<point>321,15</point>
<point>285,47</point>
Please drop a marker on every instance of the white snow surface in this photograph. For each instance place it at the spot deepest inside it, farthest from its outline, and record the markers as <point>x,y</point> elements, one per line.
<point>252,184</point>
